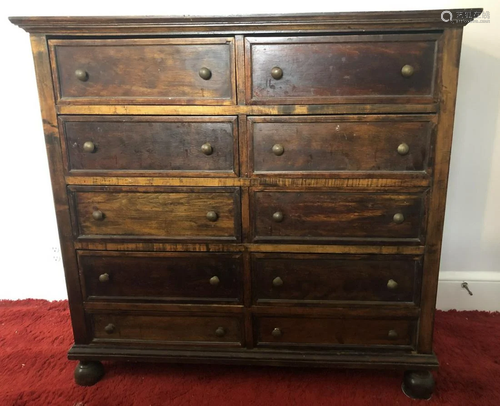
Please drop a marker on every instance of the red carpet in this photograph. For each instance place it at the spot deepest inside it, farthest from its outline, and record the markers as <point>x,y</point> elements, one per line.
<point>35,335</point>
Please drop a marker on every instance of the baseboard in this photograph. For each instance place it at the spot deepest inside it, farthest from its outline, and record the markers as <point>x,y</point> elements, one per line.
<point>485,287</point>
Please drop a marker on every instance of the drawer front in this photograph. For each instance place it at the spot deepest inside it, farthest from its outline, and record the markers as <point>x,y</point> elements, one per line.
<point>161,277</point>
<point>342,69</point>
<point>309,331</point>
<point>308,146</point>
<point>321,216</point>
<point>146,71</point>
<point>194,214</point>
<point>188,146</point>
<point>178,329</point>
<point>326,279</point>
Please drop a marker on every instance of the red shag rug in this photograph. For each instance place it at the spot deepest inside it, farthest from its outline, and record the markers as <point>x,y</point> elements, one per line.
<point>35,335</point>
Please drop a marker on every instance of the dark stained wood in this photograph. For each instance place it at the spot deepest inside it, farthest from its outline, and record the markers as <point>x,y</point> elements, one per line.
<point>239,44</point>
<point>180,329</point>
<point>319,22</point>
<point>161,277</point>
<point>339,69</point>
<point>418,384</point>
<point>452,40</point>
<point>54,154</point>
<point>349,309</point>
<point>148,145</point>
<point>327,279</point>
<point>124,307</point>
<point>337,358</point>
<point>359,310</point>
<point>331,332</point>
<point>171,214</point>
<point>321,216</point>
<point>88,373</point>
<point>149,71</point>
<point>136,207</point>
<point>323,144</point>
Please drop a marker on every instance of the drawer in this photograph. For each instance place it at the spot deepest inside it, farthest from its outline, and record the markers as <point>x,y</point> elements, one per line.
<point>144,71</point>
<point>161,277</point>
<point>281,331</point>
<point>180,214</point>
<point>323,216</point>
<point>307,146</point>
<point>327,279</point>
<point>342,69</point>
<point>176,146</point>
<point>173,329</point>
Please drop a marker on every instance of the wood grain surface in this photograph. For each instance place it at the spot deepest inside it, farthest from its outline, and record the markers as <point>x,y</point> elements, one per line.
<point>148,71</point>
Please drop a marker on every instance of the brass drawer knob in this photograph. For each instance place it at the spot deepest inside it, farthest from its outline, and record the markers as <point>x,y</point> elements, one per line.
<point>104,277</point>
<point>220,332</point>
<point>407,71</point>
<point>403,149</point>
<point>277,282</point>
<point>278,149</point>
<point>205,73</point>
<point>207,149</point>
<point>276,73</point>
<point>276,333</point>
<point>98,215</point>
<point>212,216</point>
<point>214,280</point>
<point>398,218</point>
<point>81,75</point>
<point>110,328</point>
<point>278,217</point>
<point>392,335</point>
<point>89,146</point>
<point>392,284</point>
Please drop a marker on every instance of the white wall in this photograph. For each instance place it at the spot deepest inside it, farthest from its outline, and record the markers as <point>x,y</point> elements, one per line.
<point>29,267</point>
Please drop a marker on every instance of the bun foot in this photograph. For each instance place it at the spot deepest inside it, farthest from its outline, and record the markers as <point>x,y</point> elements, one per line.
<point>418,384</point>
<point>88,373</point>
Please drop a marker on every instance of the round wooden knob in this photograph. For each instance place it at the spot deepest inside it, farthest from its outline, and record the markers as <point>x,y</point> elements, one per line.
<point>398,218</point>
<point>220,332</point>
<point>81,75</point>
<point>392,284</point>
<point>278,217</point>
<point>214,280</point>
<point>403,149</point>
<point>277,282</point>
<point>392,335</point>
<point>207,149</point>
<point>276,73</point>
<point>276,333</point>
<point>407,71</point>
<point>104,277</point>
<point>205,73</point>
<point>110,328</point>
<point>89,146</point>
<point>98,215</point>
<point>212,216</point>
<point>278,149</point>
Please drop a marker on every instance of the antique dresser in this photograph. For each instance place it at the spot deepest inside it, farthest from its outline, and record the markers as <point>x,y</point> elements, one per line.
<point>265,190</point>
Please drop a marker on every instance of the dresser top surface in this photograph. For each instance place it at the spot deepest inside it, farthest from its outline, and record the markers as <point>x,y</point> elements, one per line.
<point>342,21</point>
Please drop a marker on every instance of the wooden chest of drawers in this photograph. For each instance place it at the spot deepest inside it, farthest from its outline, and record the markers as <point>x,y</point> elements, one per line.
<point>251,190</point>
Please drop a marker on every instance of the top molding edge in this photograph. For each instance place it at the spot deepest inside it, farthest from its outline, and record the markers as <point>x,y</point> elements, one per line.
<point>345,21</point>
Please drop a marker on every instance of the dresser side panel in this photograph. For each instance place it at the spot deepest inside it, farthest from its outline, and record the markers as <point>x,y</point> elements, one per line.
<point>450,48</point>
<point>56,167</point>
